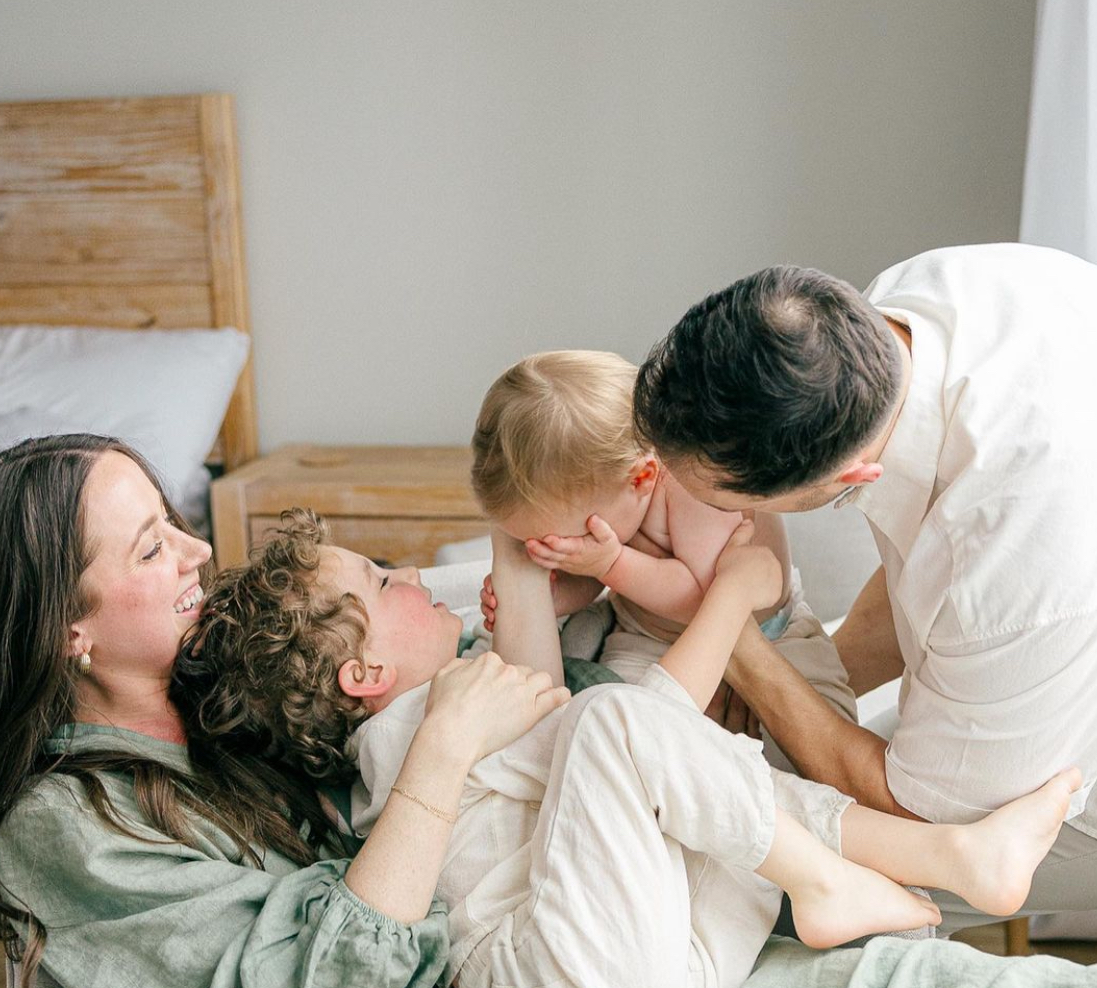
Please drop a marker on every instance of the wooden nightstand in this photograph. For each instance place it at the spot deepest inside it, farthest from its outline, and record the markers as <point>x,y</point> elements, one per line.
<point>397,503</point>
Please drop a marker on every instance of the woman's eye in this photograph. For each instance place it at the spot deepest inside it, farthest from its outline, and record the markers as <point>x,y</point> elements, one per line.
<point>384,583</point>
<point>154,552</point>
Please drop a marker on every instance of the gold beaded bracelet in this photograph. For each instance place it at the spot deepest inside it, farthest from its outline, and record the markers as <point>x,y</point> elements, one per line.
<point>433,810</point>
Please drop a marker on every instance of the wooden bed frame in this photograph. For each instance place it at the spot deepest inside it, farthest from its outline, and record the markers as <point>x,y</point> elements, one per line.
<point>126,213</point>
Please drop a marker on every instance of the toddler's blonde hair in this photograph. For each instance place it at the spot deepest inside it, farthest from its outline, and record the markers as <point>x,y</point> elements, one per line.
<point>553,429</point>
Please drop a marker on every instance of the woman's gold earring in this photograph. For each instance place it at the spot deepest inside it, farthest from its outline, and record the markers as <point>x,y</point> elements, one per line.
<point>84,663</point>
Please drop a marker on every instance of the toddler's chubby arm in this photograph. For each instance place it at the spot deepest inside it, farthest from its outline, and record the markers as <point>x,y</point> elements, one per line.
<point>748,578</point>
<point>665,586</point>
<point>525,630</point>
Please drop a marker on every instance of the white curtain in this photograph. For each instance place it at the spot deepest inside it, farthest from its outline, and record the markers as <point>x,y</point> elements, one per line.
<point>1060,198</point>
<point>1060,201</point>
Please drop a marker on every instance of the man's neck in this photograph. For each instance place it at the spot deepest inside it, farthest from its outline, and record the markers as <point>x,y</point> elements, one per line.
<point>875,451</point>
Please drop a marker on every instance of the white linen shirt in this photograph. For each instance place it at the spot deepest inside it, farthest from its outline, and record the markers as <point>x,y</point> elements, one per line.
<point>984,522</point>
<point>485,875</point>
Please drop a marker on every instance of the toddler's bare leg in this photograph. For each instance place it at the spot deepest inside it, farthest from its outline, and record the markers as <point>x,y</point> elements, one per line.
<point>835,900</point>
<point>989,863</point>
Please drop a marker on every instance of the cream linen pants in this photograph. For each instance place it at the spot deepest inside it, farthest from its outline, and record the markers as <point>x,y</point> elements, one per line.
<point>630,651</point>
<point>643,858</point>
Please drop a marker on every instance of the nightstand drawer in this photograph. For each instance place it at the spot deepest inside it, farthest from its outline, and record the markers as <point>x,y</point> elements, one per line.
<point>400,541</point>
<point>397,503</point>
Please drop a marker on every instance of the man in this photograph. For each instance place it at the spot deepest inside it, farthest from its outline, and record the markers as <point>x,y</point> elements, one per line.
<point>954,405</point>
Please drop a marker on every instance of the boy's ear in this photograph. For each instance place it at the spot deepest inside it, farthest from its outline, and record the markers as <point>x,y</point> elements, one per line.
<point>366,681</point>
<point>643,475</point>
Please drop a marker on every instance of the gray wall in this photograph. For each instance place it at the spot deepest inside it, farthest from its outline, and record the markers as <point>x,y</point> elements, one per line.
<point>432,190</point>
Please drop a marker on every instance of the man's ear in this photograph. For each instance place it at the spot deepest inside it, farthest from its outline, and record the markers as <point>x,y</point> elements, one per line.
<point>366,681</point>
<point>643,475</point>
<point>861,473</point>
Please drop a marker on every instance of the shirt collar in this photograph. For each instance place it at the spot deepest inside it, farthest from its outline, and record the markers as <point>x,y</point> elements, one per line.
<point>75,738</point>
<point>898,502</point>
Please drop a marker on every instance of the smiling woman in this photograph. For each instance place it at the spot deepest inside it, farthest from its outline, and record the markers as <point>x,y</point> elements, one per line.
<point>143,586</point>
<point>190,864</point>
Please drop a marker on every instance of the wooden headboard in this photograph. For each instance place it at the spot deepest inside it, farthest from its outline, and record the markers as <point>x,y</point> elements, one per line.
<point>126,213</point>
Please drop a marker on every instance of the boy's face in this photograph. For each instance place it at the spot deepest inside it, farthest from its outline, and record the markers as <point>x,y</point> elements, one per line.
<point>622,508</point>
<point>406,629</point>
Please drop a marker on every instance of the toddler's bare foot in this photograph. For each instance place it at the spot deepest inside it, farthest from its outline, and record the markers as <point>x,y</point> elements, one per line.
<point>995,858</point>
<point>851,902</point>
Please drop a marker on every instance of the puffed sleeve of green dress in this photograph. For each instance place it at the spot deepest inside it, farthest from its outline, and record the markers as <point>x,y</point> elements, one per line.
<point>129,913</point>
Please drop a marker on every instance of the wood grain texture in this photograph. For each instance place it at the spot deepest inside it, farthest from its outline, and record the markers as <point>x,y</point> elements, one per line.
<point>225,249</point>
<point>111,240</point>
<point>126,213</point>
<point>88,147</point>
<point>396,502</point>
<point>122,306</point>
<point>399,541</point>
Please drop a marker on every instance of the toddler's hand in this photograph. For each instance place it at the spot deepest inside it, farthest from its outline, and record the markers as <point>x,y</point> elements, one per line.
<point>753,567</point>
<point>488,603</point>
<point>592,554</point>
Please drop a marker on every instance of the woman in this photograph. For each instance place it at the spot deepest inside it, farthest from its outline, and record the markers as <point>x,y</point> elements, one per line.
<point>188,865</point>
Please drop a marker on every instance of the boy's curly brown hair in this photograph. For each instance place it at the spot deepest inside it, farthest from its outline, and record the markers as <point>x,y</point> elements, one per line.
<point>259,668</point>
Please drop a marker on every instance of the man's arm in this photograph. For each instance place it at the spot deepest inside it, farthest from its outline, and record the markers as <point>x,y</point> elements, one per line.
<point>822,745</point>
<point>866,640</point>
<point>525,631</point>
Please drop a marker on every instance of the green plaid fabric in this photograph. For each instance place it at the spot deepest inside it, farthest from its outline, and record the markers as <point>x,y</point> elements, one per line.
<point>579,674</point>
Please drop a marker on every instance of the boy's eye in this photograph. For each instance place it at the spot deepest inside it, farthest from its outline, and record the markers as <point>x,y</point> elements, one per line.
<point>154,552</point>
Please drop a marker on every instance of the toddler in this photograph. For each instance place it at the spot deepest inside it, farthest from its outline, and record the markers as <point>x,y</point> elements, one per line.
<point>557,466</point>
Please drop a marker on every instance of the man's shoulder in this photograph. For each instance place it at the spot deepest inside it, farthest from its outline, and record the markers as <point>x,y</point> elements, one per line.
<point>953,268</point>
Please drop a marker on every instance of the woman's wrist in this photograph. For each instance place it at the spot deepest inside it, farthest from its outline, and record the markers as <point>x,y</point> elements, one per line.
<point>445,741</point>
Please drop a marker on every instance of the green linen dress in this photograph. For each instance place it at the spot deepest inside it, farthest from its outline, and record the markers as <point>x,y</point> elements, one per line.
<point>127,913</point>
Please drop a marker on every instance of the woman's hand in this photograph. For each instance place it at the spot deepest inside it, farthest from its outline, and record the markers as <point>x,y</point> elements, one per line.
<point>483,704</point>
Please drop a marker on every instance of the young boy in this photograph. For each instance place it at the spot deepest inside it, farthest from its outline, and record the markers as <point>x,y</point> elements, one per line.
<point>558,467</point>
<point>607,807</point>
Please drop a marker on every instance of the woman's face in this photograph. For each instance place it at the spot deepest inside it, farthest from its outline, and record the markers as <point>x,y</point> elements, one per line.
<point>143,579</point>
<point>406,628</point>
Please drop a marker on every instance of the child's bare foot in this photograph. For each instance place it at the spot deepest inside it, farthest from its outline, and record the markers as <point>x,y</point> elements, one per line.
<point>851,902</point>
<point>995,858</point>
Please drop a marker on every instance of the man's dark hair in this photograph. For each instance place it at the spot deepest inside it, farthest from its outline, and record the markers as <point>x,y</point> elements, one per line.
<point>773,382</point>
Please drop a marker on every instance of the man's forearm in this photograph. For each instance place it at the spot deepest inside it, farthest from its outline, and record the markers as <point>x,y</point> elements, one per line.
<point>823,746</point>
<point>866,640</point>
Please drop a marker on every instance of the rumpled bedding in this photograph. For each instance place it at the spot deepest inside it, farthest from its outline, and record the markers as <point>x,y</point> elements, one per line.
<point>887,962</point>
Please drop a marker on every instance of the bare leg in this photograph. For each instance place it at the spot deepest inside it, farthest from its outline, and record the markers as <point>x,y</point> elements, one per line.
<point>989,863</point>
<point>834,900</point>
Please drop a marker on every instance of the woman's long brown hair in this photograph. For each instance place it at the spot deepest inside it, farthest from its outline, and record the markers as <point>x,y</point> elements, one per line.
<point>259,805</point>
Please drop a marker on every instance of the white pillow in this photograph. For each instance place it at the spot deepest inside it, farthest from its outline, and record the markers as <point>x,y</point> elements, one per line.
<point>164,391</point>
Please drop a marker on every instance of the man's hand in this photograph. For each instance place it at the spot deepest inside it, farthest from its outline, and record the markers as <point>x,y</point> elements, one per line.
<point>730,711</point>
<point>754,568</point>
<point>592,554</point>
